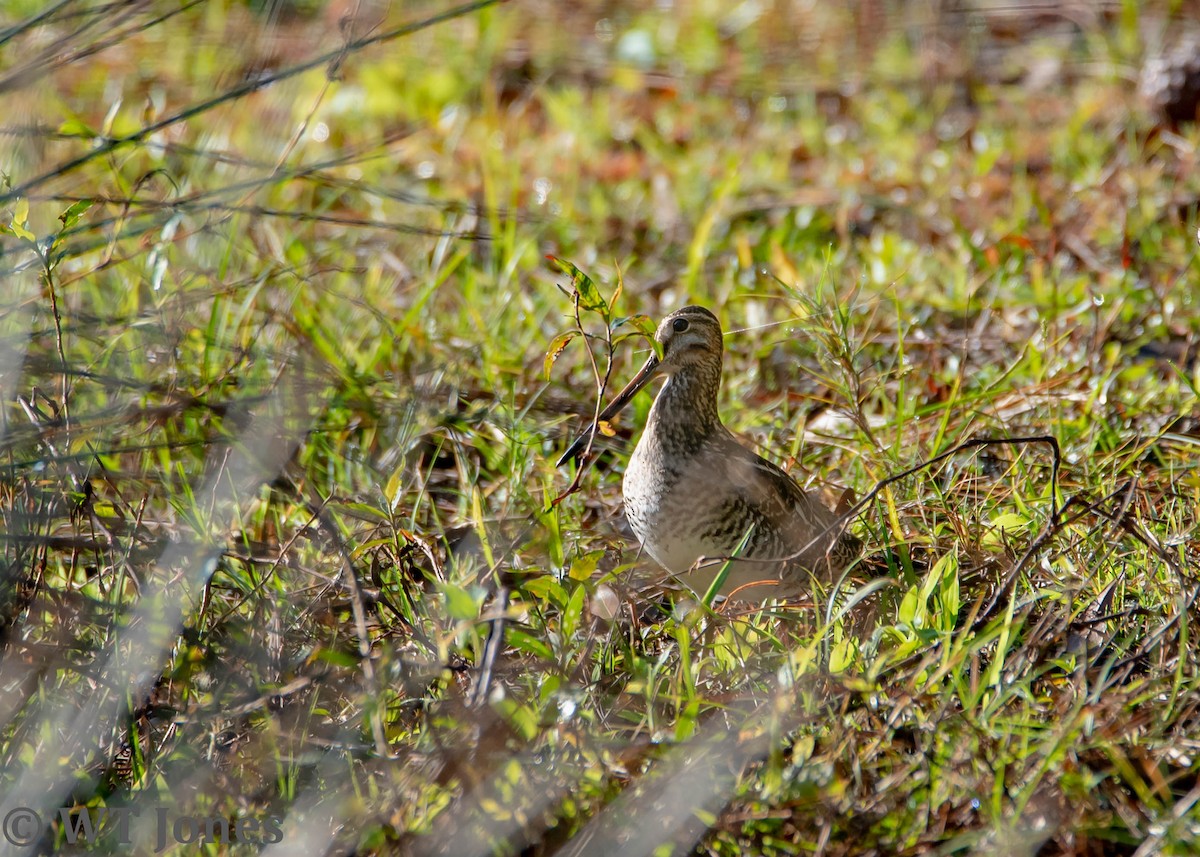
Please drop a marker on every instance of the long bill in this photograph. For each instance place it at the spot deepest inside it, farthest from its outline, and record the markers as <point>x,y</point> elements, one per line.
<point>641,379</point>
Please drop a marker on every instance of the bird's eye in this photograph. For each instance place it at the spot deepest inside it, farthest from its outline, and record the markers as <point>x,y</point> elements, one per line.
<point>680,325</point>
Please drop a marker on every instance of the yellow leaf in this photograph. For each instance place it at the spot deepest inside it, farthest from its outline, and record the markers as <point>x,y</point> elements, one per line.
<point>616,294</point>
<point>20,215</point>
<point>583,567</point>
<point>557,346</point>
<point>782,265</point>
<point>744,253</point>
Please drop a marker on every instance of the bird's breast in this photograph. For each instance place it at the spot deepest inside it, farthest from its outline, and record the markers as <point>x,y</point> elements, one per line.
<point>683,509</point>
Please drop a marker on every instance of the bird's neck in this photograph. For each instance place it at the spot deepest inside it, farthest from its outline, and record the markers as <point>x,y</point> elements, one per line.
<point>686,407</point>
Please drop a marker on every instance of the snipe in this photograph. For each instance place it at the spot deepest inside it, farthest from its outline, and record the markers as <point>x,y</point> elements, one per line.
<point>691,490</point>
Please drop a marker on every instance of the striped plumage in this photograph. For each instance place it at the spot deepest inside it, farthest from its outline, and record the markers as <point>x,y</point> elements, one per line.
<point>691,490</point>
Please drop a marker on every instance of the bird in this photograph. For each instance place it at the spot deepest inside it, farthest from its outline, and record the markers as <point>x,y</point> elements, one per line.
<point>693,494</point>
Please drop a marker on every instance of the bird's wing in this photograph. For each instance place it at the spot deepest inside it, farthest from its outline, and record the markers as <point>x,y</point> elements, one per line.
<point>788,508</point>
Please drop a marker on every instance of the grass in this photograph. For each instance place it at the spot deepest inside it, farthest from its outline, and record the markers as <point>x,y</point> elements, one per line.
<point>279,428</point>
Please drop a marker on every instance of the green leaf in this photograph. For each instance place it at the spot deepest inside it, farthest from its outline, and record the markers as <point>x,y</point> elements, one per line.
<point>909,605</point>
<point>642,323</point>
<point>572,614</point>
<point>75,128</point>
<point>546,588</point>
<point>460,604</point>
<point>557,346</point>
<point>550,684</point>
<point>524,721</point>
<point>841,658</point>
<point>1011,522</point>
<point>948,597</point>
<point>361,511</point>
<point>71,216</point>
<point>531,645</point>
<point>589,295</point>
<point>333,656</point>
<point>644,328</point>
<point>1004,526</point>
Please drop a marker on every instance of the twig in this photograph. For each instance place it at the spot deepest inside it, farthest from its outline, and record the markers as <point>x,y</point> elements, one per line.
<point>602,387</point>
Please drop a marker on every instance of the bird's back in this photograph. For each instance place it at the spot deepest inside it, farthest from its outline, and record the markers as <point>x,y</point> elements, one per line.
<point>720,499</point>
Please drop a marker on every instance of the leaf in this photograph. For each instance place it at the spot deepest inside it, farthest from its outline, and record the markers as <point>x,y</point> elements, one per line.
<point>616,294</point>
<point>361,511</point>
<point>460,604</point>
<point>528,643</point>
<point>20,215</point>
<point>585,566</point>
<point>606,428</point>
<point>71,216</point>
<point>334,657</point>
<point>557,346</point>
<point>1005,526</point>
<point>22,232</point>
<point>842,656</point>
<point>75,128</point>
<point>547,589</point>
<point>1010,522</point>
<point>589,295</point>
<point>393,491</point>
<point>643,326</point>
<point>782,265</point>
<point>572,614</point>
<point>910,604</point>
